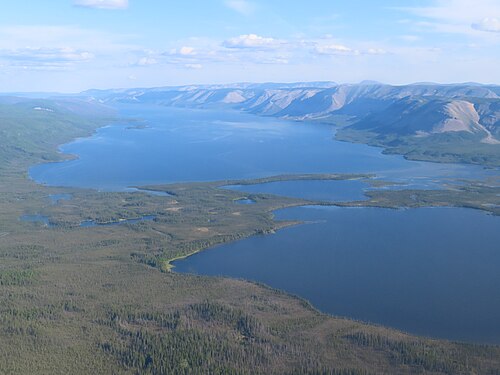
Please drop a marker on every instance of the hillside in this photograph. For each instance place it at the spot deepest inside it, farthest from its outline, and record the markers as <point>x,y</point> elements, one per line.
<point>31,129</point>
<point>433,129</point>
<point>444,123</point>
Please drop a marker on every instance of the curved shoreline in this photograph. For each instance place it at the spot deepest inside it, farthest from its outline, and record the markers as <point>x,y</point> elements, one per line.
<point>166,264</point>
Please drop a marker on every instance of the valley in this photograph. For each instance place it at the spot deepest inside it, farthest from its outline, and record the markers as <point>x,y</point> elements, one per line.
<point>249,187</point>
<point>443,123</point>
<point>102,299</point>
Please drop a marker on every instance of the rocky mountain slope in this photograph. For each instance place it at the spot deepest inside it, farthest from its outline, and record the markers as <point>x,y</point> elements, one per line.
<point>464,117</point>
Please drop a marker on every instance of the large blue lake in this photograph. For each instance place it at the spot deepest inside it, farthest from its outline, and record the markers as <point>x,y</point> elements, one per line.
<point>200,145</point>
<point>426,271</point>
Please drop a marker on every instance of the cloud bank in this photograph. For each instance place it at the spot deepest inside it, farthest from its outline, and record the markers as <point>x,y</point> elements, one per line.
<point>488,24</point>
<point>251,41</point>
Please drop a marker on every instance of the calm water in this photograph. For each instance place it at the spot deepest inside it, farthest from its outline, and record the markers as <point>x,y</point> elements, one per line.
<point>428,271</point>
<point>325,190</point>
<point>196,145</point>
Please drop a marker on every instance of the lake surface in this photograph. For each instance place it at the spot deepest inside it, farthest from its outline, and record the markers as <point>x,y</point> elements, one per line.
<point>428,271</point>
<point>200,145</point>
<point>324,190</point>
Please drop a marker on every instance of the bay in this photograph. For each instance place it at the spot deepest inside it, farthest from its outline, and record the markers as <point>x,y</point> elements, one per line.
<point>428,271</point>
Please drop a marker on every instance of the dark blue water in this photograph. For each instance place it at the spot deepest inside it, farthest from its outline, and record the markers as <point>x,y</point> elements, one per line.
<point>432,272</point>
<point>199,145</point>
<point>324,190</point>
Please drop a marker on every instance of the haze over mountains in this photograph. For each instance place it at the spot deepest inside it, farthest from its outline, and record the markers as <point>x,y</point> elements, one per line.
<point>426,121</point>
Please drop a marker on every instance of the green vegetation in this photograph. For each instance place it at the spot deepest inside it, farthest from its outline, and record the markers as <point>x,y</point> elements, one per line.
<point>16,277</point>
<point>473,194</point>
<point>452,147</point>
<point>31,130</point>
<point>96,300</point>
<point>297,177</point>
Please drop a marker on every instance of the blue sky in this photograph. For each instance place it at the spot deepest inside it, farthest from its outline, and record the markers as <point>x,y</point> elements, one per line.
<point>73,45</point>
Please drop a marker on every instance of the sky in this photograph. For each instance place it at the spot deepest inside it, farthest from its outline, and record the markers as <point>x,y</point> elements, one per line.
<point>74,45</point>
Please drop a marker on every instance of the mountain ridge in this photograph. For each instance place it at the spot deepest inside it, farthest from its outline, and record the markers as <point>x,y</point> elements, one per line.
<point>415,115</point>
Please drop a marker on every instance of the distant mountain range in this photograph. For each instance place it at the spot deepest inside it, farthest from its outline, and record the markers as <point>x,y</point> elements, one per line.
<point>425,121</point>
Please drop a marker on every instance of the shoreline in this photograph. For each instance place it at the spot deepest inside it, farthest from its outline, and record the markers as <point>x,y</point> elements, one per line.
<point>101,280</point>
<point>169,267</point>
<point>306,298</point>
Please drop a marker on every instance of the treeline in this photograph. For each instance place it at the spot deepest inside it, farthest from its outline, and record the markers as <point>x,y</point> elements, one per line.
<point>202,338</point>
<point>419,354</point>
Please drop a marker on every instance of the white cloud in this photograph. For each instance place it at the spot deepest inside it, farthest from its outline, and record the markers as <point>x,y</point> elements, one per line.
<point>334,49</point>
<point>41,47</point>
<point>145,61</point>
<point>102,4</point>
<point>273,60</point>
<point>488,24</point>
<point>329,46</point>
<point>45,58</point>
<point>252,41</point>
<point>187,51</point>
<point>241,6</point>
<point>376,51</point>
<point>252,49</point>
